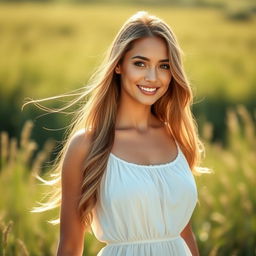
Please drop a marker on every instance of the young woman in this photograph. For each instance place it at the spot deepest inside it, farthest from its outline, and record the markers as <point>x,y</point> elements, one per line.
<point>126,170</point>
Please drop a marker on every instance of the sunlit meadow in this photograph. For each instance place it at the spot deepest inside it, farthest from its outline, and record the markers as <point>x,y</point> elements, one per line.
<point>50,49</point>
<point>224,221</point>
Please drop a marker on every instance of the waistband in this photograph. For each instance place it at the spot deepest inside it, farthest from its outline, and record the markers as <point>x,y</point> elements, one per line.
<point>155,240</point>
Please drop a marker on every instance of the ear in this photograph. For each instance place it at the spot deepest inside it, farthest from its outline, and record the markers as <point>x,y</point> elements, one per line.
<point>118,69</point>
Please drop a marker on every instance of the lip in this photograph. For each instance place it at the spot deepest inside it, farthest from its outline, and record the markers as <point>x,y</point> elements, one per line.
<point>148,93</point>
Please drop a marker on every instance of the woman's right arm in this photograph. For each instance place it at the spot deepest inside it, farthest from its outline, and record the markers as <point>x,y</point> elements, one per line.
<point>72,230</point>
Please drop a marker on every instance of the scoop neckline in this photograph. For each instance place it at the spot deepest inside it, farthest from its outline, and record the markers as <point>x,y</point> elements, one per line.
<point>169,163</point>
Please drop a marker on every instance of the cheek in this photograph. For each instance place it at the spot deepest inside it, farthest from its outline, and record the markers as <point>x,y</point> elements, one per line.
<point>132,74</point>
<point>166,78</point>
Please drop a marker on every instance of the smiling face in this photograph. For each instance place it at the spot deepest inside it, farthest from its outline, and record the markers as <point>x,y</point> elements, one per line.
<point>145,70</point>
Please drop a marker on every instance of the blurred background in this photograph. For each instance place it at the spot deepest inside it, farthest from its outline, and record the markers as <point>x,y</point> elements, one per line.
<point>52,47</point>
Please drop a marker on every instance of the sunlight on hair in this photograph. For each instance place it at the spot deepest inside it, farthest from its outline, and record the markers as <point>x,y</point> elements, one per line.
<point>97,115</point>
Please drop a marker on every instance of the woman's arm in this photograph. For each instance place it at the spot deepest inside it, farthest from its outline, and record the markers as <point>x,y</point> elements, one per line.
<point>190,239</point>
<point>71,240</point>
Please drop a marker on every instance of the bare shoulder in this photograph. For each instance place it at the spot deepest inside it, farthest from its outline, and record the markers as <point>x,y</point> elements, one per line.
<point>80,141</point>
<point>75,154</point>
<point>77,150</point>
<point>79,145</point>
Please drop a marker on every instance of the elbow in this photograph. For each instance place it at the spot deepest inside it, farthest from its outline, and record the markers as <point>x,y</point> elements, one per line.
<point>68,252</point>
<point>65,249</point>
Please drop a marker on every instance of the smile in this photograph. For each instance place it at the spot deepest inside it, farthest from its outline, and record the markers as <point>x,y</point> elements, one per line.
<point>148,90</point>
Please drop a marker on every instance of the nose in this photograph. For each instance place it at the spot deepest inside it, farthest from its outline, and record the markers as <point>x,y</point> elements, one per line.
<point>151,75</point>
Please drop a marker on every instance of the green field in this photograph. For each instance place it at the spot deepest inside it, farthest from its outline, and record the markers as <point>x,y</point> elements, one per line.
<point>51,49</point>
<point>224,221</point>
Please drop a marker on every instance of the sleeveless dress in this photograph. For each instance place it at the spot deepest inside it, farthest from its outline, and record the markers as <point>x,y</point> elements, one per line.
<point>142,209</point>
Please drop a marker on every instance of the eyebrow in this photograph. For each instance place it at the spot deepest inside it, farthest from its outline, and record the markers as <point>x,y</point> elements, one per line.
<point>147,59</point>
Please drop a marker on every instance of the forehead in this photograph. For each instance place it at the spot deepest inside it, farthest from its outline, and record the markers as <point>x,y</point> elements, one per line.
<point>150,47</point>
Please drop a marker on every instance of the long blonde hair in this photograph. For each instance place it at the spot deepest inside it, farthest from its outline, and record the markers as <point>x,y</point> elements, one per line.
<point>98,113</point>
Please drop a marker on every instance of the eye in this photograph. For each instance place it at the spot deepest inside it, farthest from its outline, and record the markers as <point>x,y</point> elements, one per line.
<point>165,66</point>
<point>139,64</point>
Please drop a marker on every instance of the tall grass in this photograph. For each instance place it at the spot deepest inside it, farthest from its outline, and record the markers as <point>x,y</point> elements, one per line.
<point>23,232</point>
<point>224,221</point>
<point>50,49</point>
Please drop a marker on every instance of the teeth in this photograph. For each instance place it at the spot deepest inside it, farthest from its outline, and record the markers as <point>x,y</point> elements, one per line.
<point>148,89</point>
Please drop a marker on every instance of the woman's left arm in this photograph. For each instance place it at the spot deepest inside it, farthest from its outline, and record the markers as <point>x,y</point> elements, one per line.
<point>190,239</point>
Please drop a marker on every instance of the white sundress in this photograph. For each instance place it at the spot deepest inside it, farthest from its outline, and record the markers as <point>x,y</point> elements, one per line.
<point>142,209</point>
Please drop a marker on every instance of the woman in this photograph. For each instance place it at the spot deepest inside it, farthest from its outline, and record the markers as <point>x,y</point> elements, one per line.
<point>126,168</point>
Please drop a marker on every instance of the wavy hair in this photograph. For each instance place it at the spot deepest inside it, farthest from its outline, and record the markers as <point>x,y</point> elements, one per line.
<point>98,113</point>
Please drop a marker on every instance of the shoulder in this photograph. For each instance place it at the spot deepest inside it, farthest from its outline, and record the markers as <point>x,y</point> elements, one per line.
<point>80,141</point>
<point>78,146</point>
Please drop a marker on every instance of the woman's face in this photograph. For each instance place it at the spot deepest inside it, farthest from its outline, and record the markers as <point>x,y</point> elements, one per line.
<point>145,70</point>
